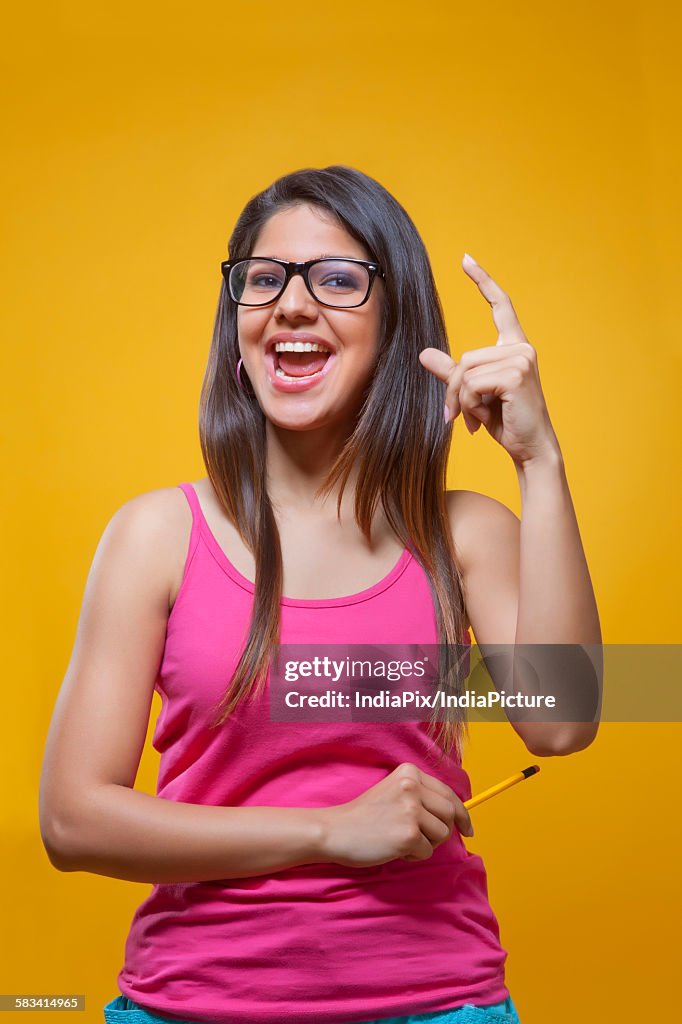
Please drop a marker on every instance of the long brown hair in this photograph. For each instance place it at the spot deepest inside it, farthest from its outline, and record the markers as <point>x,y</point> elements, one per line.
<point>399,444</point>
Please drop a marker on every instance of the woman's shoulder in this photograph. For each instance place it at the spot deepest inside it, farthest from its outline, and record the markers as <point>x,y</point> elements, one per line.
<point>164,516</point>
<point>165,508</point>
<point>476,520</point>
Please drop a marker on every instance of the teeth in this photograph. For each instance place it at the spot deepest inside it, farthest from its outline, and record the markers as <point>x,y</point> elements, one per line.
<point>285,376</point>
<point>299,346</point>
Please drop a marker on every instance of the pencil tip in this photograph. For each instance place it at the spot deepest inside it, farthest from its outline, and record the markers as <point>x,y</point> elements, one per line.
<point>532,770</point>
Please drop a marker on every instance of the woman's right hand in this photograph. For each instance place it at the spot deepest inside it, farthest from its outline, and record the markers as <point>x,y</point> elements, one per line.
<point>406,815</point>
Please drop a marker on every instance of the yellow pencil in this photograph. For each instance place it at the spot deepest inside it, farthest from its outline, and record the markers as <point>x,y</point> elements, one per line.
<point>494,790</point>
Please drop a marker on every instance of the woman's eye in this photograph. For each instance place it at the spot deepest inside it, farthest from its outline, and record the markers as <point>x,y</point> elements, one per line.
<point>341,281</point>
<point>264,281</point>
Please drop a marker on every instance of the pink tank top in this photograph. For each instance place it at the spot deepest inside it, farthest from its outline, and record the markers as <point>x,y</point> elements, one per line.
<point>318,942</point>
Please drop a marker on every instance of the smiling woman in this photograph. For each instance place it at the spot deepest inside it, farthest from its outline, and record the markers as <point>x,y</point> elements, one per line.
<point>333,294</point>
<point>309,870</point>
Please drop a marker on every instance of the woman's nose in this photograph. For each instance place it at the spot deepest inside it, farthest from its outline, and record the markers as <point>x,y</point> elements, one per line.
<point>296,300</point>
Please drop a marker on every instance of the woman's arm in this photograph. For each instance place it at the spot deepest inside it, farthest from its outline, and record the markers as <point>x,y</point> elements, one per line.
<point>527,582</point>
<point>125,833</point>
<point>556,599</point>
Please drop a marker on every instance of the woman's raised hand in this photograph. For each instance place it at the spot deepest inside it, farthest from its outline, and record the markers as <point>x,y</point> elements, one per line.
<point>406,815</point>
<point>498,386</point>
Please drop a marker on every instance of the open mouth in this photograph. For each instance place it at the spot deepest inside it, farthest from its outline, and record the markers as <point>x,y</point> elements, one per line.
<point>294,366</point>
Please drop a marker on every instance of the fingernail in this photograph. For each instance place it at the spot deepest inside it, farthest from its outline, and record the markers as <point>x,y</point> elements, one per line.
<point>471,830</point>
<point>470,259</point>
<point>446,414</point>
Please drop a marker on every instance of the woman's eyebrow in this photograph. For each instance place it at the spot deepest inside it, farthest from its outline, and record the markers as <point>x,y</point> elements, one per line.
<point>335,256</point>
<point>322,256</point>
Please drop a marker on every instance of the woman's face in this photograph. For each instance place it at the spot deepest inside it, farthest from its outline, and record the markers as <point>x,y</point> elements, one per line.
<point>334,396</point>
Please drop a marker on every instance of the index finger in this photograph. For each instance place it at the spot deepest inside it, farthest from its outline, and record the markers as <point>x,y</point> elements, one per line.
<point>461,813</point>
<point>504,314</point>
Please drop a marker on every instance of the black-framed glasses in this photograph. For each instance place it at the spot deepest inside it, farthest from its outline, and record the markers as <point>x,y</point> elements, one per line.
<point>339,282</point>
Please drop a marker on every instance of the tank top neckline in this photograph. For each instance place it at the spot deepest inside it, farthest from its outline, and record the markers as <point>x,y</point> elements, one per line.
<point>298,602</point>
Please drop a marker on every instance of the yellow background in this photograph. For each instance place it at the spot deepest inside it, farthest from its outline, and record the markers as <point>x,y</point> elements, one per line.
<point>542,140</point>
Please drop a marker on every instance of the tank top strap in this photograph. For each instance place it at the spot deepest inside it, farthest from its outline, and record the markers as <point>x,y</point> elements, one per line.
<point>192,499</point>
<point>197,517</point>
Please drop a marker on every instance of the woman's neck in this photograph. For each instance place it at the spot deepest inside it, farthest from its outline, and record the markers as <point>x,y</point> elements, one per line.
<point>297,463</point>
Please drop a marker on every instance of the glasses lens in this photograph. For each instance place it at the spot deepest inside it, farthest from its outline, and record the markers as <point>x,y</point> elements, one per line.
<point>339,282</point>
<point>256,282</point>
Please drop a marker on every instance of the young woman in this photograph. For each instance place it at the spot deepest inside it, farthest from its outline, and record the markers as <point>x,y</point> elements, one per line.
<point>313,871</point>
